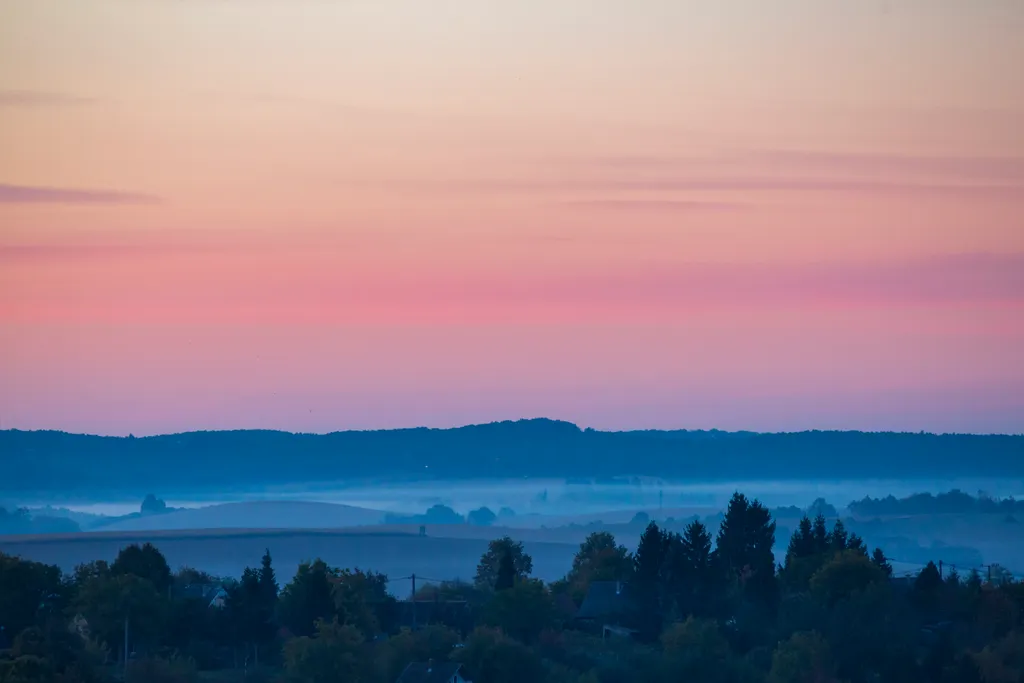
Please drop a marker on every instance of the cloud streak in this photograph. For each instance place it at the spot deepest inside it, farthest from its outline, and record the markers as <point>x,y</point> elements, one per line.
<point>992,169</point>
<point>38,98</point>
<point>758,184</point>
<point>974,168</point>
<point>65,253</point>
<point>25,194</point>
<point>652,205</point>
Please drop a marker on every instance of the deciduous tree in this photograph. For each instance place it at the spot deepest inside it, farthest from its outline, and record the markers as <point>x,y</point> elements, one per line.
<point>522,611</point>
<point>146,562</point>
<point>307,598</point>
<point>490,562</point>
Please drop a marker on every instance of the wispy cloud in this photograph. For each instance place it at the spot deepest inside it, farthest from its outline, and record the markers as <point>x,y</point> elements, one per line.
<point>39,98</point>
<point>652,205</point>
<point>788,170</point>
<point>25,194</point>
<point>1005,169</point>
<point>109,253</point>
<point>747,183</point>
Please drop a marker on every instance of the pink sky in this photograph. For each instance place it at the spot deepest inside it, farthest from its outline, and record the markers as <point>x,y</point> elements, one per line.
<point>317,215</point>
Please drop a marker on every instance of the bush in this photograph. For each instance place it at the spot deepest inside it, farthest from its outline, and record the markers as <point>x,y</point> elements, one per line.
<point>158,670</point>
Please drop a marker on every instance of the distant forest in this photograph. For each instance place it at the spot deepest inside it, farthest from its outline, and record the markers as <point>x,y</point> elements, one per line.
<point>61,462</point>
<point>953,502</point>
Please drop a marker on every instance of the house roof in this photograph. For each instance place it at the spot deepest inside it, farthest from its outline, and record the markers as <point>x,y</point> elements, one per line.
<point>426,672</point>
<point>605,599</point>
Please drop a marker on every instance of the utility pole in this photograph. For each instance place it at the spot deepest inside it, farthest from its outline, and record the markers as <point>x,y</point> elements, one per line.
<point>413,602</point>
<point>126,647</point>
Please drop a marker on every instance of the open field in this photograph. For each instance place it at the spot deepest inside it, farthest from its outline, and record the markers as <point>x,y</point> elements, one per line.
<point>397,553</point>
<point>266,514</point>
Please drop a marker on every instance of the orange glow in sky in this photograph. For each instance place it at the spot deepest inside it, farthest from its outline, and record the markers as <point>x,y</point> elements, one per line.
<point>316,215</point>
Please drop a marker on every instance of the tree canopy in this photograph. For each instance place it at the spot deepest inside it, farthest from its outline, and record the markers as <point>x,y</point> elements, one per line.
<point>489,567</point>
<point>689,604</point>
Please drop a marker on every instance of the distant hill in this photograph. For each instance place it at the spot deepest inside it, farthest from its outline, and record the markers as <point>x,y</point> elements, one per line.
<point>57,462</point>
<point>254,515</point>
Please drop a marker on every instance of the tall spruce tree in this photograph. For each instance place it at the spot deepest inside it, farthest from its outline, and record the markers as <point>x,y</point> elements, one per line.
<point>878,557</point>
<point>801,543</point>
<point>689,575</point>
<point>743,550</point>
<point>838,538</point>
<point>819,534</point>
<point>268,580</point>
<point>647,586</point>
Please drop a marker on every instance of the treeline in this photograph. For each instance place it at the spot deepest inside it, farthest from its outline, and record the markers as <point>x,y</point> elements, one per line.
<point>689,606</point>
<point>21,521</point>
<point>60,462</point>
<point>952,502</point>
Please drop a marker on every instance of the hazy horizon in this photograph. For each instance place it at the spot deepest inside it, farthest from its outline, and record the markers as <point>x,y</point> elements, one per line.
<point>581,427</point>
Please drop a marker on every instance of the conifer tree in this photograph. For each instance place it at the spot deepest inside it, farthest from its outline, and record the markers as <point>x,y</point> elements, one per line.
<point>878,557</point>
<point>268,579</point>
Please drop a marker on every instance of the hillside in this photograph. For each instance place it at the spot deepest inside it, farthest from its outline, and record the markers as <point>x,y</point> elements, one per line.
<point>255,514</point>
<point>58,462</point>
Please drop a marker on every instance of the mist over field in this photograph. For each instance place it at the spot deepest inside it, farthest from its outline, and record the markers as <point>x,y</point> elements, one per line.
<point>427,502</point>
<point>417,501</point>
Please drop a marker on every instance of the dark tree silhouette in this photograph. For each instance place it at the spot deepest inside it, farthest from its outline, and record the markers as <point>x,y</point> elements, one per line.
<point>24,586</point>
<point>689,574</point>
<point>819,534</point>
<point>490,561</point>
<point>801,543</point>
<point>506,572</point>
<point>599,558</point>
<point>743,550</point>
<point>145,562</point>
<point>152,505</point>
<point>838,538</point>
<point>878,557</point>
<point>821,507</point>
<point>522,610</point>
<point>843,575</point>
<point>856,544</point>
<point>307,598</point>
<point>481,517</point>
<point>647,587</point>
<point>250,612</point>
<point>268,580</point>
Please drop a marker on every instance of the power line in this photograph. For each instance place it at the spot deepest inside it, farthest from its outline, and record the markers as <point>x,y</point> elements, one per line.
<point>981,569</point>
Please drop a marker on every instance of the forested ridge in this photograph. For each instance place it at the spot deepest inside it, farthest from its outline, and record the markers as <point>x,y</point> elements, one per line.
<point>58,461</point>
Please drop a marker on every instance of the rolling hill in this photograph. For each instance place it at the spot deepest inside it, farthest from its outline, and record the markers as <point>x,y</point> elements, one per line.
<point>254,515</point>
<point>57,462</point>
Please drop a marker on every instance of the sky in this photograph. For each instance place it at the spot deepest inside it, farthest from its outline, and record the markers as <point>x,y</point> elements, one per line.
<point>317,215</point>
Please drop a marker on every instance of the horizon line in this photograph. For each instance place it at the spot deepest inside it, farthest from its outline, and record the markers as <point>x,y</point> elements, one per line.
<point>456,427</point>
